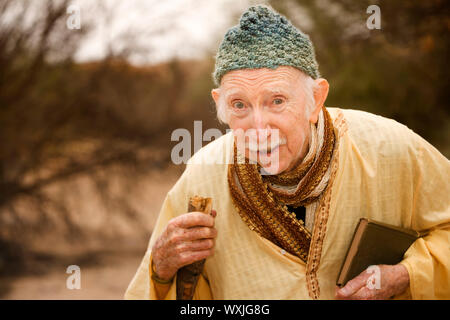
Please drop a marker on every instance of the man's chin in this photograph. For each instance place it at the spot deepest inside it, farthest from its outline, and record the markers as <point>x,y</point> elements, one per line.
<point>269,163</point>
<point>271,169</point>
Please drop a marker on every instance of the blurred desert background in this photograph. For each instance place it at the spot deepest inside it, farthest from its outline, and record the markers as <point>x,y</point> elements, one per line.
<point>86,115</point>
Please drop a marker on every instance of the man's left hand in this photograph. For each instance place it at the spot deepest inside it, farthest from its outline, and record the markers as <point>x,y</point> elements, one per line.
<point>377,283</point>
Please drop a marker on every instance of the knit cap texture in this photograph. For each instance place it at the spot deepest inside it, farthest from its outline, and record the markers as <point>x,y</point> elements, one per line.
<point>264,39</point>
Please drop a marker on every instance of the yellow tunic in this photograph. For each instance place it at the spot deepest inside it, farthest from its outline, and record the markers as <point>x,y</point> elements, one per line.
<point>381,170</point>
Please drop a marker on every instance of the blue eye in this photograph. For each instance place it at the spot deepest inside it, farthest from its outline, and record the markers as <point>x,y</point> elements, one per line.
<point>238,105</point>
<point>278,101</point>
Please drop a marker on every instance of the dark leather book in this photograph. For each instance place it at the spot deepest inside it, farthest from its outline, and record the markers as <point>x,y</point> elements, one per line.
<point>374,243</point>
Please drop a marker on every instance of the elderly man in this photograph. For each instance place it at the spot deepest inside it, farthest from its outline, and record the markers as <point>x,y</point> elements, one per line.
<point>281,231</point>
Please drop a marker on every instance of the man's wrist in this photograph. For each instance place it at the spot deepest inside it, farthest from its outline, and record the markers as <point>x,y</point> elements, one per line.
<point>403,276</point>
<point>404,272</point>
<point>157,278</point>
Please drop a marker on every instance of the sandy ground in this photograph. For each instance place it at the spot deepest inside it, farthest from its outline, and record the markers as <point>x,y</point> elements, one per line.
<point>106,270</point>
<point>107,281</point>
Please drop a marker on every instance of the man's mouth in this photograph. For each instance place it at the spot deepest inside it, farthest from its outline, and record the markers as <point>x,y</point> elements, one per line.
<point>266,150</point>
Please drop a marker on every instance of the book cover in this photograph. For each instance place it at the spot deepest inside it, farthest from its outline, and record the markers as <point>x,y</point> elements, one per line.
<point>374,243</point>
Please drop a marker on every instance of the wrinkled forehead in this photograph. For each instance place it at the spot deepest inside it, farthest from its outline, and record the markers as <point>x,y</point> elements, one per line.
<point>281,78</point>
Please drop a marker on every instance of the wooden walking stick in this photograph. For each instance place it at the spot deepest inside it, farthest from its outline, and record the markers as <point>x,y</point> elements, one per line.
<point>187,276</point>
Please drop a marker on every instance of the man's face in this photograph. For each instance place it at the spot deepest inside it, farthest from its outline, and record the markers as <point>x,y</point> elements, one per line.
<point>268,100</point>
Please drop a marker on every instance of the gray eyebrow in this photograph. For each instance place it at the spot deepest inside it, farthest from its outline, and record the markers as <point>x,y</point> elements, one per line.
<point>275,91</point>
<point>237,91</point>
<point>233,91</point>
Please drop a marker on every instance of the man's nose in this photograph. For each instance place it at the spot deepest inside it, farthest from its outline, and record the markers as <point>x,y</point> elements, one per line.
<point>260,121</point>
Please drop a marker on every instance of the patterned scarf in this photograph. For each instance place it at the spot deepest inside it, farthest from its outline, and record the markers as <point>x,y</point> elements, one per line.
<point>262,201</point>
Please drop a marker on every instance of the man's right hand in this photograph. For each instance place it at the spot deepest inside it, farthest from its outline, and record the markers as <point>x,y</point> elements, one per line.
<point>186,239</point>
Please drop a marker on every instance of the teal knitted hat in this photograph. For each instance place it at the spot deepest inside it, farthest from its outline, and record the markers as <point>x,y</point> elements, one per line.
<point>264,39</point>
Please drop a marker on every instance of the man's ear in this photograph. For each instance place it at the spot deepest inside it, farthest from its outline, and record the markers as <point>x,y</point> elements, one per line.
<point>320,95</point>
<point>215,93</point>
